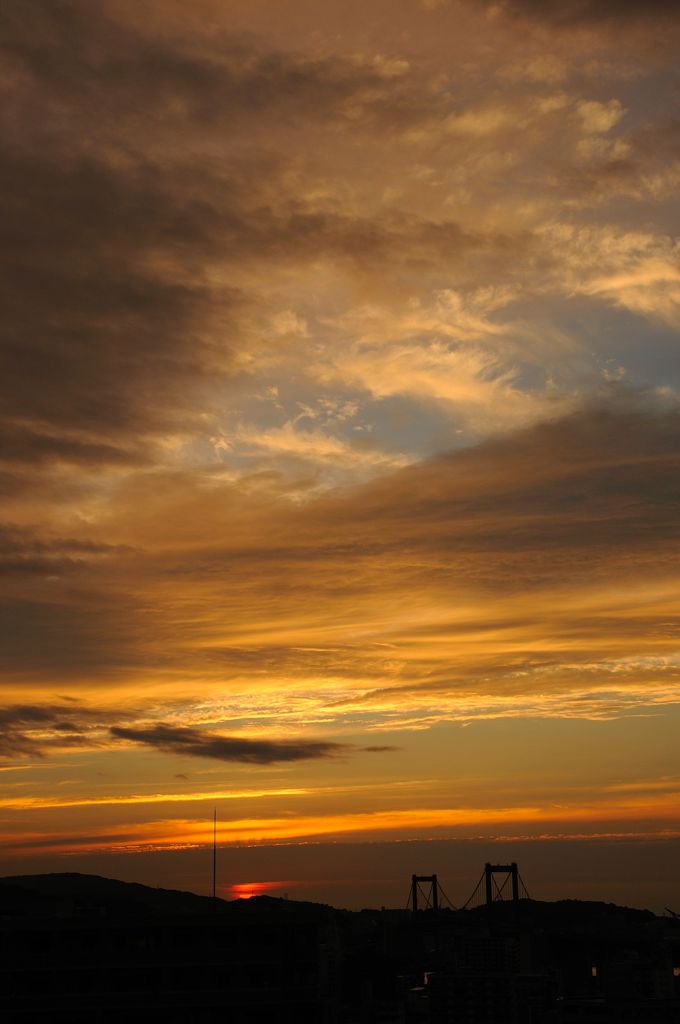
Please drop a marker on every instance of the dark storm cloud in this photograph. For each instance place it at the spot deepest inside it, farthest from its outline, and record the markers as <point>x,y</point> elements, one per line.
<point>197,743</point>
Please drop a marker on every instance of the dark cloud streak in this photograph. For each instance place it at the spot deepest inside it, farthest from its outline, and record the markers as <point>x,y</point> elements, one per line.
<point>197,743</point>
<point>35,730</point>
<point>27,730</point>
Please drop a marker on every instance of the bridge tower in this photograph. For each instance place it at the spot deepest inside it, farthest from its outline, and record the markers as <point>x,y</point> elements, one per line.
<point>430,895</point>
<point>493,890</point>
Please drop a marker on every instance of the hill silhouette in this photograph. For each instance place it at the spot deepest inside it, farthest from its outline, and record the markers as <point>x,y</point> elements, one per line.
<point>81,948</point>
<point>82,893</point>
<point>93,891</point>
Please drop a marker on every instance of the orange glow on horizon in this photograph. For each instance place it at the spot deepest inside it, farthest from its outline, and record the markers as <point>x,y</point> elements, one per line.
<point>385,825</point>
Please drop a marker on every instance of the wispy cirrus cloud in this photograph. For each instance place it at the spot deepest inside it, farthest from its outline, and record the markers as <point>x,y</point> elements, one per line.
<point>493,572</point>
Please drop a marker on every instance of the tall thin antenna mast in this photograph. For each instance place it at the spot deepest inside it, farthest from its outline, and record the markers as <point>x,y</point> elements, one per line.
<point>214,873</point>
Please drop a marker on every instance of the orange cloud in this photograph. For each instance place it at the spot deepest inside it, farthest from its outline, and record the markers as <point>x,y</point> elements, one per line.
<point>401,823</point>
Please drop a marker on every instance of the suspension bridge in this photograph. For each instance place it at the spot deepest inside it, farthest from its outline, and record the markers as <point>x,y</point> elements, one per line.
<point>498,883</point>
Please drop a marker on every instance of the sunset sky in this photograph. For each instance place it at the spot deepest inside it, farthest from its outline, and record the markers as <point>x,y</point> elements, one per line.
<point>340,462</point>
